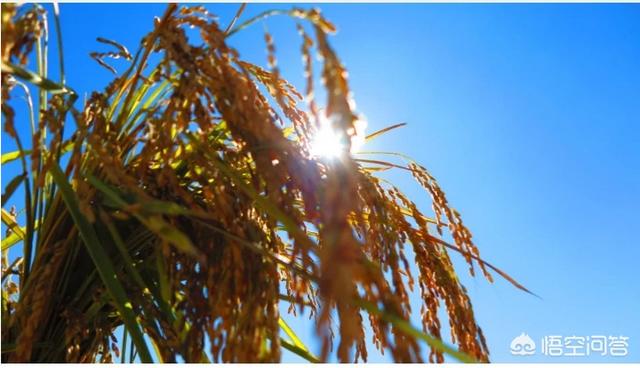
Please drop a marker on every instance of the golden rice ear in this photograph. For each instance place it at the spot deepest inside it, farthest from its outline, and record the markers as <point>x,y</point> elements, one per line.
<point>189,207</point>
<point>307,61</point>
<point>21,31</point>
<point>121,53</point>
<point>339,100</point>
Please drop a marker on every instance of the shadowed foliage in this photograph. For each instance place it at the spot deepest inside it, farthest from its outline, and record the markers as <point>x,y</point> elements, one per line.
<point>187,205</point>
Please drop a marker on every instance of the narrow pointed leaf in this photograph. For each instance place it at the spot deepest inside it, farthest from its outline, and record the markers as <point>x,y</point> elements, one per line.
<point>102,262</point>
<point>11,187</point>
<point>384,130</point>
<point>9,220</point>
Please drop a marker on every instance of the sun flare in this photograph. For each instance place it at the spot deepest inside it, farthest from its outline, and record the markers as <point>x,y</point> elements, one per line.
<point>331,144</point>
<point>328,143</point>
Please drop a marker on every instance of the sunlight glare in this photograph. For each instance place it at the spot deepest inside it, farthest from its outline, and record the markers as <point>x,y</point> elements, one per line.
<point>330,144</point>
<point>327,143</point>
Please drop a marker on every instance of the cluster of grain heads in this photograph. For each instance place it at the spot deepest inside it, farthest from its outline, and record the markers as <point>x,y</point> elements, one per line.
<point>186,206</point>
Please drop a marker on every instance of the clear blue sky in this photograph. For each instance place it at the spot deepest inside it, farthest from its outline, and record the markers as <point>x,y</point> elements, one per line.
<point>528,115</point>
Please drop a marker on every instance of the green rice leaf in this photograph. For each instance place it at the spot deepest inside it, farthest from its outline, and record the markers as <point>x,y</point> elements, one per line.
<point>36,79</point>
<point>383,130</point>
<point>12,240</point>
<point>11,156</point>
<point>15,155</point>
<point>171,235</point>
<point>296,341</point>
<point>12,186</point>
<point>9,220</point>
<point>154,223</point>
<point>298,351</point>
<point>103,264</point>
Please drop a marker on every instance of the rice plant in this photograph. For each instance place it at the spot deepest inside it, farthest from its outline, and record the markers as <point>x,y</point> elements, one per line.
<point>190,201</point>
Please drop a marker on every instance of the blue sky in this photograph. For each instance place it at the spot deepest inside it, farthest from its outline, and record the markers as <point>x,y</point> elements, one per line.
<point>528,115</point>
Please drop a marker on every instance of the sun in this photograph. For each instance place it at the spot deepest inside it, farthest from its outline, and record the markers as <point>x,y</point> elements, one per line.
<point>329,143</point>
